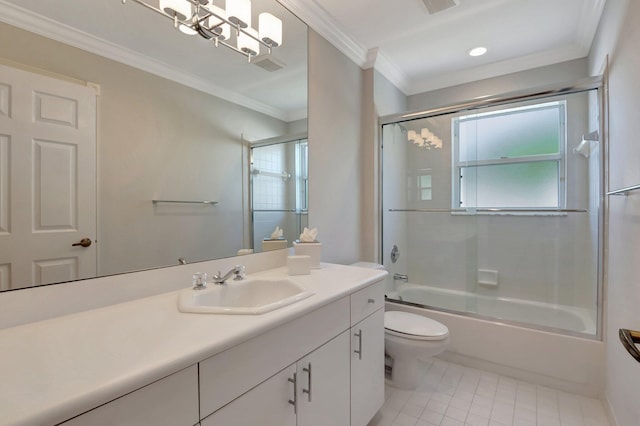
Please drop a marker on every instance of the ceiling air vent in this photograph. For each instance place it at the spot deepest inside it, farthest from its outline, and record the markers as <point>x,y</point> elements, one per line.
<point>268,62</point>
<point>435,6</point>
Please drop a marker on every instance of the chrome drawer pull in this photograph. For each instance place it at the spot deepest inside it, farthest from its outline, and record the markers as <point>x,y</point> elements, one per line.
<point>294,402</point>
<point>308,391</point>
<point>359,350</point>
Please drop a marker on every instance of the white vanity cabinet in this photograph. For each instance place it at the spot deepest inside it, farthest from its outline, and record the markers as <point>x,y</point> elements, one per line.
<point>338,366</point>
<point>325,367</point>
<point>367,353</point>
<point>267,404</point>
<point>323,385</point>
<point>312,392</point>
<point>230,374</point>
<point>172,401</point>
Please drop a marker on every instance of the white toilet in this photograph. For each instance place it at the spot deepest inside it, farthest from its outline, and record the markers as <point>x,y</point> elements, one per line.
<point>409,340</point>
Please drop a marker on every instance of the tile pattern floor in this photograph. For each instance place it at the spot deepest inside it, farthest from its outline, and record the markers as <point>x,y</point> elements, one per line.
<point>453,395</point>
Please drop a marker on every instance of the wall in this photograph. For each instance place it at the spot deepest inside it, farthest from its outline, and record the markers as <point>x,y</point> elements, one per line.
<point>380,98</point>
<point>156,139</point>
<point>619,37</point>
<point>556,73</point>
<point>335,111</point>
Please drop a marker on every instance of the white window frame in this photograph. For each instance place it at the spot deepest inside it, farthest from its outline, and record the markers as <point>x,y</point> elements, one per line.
<point>559,157</point>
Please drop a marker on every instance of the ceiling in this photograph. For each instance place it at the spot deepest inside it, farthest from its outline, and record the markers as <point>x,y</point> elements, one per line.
<point>415,50</point>
<point>418,51</point>
<point>131,34</point>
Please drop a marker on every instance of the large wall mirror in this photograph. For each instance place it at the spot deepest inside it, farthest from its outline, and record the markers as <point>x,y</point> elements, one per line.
<point>175,121</point>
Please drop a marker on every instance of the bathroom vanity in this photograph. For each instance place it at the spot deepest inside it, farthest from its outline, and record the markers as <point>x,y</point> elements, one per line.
<point>318,361</point>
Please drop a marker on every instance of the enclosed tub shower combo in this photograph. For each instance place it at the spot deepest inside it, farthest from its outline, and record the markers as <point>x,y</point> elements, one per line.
<point>492,209</point>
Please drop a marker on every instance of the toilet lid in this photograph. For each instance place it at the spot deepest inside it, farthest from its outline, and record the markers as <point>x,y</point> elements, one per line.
<point>414,326</point>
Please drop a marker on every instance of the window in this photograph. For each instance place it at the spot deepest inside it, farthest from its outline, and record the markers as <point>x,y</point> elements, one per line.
<point>419,186</point>
<point>512,158</point>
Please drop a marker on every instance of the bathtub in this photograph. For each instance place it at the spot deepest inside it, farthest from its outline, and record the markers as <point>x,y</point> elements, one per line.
<point>540,343</point>
<point>523,312</point>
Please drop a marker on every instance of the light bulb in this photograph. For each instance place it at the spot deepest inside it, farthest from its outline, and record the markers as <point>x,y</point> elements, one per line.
<point>187,30</point>
<point>426,134</point>
<point>247,44</point>
<point>239,12</point>
<point>477,51</point>
<point>180,9</point>
<point>270,29</point>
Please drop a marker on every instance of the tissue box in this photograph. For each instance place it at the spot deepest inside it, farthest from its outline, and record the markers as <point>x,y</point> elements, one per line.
<point>268,245</point>
<point>299,265</point>
<point>313,250</point>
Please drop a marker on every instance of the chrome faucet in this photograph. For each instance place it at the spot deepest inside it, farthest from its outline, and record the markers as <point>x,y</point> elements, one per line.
<point>237,270</point>
<point>401,277</point>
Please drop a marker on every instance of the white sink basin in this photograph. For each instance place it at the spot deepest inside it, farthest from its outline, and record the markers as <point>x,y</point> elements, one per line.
<point>247,297</point>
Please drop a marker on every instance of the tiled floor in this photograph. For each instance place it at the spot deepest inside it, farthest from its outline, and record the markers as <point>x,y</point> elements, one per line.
<point>453,395</point>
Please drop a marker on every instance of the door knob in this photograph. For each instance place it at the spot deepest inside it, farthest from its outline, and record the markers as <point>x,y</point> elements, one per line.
<point>85,242</point>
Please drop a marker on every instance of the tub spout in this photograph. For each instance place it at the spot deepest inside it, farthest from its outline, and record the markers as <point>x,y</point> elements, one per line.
<point>401,277</point>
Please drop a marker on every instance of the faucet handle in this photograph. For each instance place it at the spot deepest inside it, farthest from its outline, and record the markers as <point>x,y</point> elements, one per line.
<point>239,273</point>
<point>199,280</point>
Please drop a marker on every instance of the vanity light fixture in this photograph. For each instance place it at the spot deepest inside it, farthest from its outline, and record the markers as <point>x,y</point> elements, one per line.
<point>425,139</point>
<point>230,27</point>
<point>477,51</point>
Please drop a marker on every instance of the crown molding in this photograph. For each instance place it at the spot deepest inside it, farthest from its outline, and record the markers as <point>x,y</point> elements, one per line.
<point>32,22</point>
<point>297,114</point>
<point>392,73</point>
<point>440,81</point>
<point>321,22</point>
<point>588,23</point>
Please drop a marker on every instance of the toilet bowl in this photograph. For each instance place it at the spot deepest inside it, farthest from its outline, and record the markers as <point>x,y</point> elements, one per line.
<point>411,339</point>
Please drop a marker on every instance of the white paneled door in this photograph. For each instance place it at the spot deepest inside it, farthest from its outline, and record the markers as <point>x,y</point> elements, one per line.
<point>47,179</point>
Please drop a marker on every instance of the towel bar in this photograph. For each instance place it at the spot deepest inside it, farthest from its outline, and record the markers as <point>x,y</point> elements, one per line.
<point>185,202</point>
<point>491,210</point>
<point>624,191</point>
<point>629,339</point>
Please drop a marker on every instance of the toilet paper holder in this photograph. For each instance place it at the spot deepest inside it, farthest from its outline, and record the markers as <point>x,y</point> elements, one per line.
<point>629,339</point>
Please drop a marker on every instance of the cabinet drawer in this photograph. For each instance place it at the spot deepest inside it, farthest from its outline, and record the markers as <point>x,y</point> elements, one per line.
<point>366,301</point>
<point>229,374</point>
<point>172,401</point>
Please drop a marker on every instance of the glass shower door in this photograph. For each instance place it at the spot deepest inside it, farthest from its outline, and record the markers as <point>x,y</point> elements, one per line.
<point>495,212</point>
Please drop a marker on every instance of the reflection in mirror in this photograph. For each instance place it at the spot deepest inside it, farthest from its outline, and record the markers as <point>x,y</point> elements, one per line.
<point>279,192</point>
<point>129,114</point>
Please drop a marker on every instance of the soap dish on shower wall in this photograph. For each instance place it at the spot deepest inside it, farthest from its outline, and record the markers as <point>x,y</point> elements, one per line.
<point>487,277</point>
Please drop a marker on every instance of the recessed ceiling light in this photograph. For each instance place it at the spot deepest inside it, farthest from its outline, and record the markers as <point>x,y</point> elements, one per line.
<point>477,51</point>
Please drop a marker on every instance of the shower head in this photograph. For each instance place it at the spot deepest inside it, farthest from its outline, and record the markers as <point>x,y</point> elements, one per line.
<point>584,148</point>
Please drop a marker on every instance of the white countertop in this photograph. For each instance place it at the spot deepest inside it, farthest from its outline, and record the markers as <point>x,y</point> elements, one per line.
<point>55,369</point>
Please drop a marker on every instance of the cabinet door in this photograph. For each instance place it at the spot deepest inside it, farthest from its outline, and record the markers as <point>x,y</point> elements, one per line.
<point>268,404</point>
<point>367,368</point>
<point>323,384</point>
<point>172,401</point>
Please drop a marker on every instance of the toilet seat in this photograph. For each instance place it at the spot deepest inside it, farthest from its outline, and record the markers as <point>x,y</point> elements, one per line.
<point>414,327</point>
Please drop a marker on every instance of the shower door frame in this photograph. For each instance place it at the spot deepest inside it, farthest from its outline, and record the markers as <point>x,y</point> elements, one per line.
<point>598,83</point>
